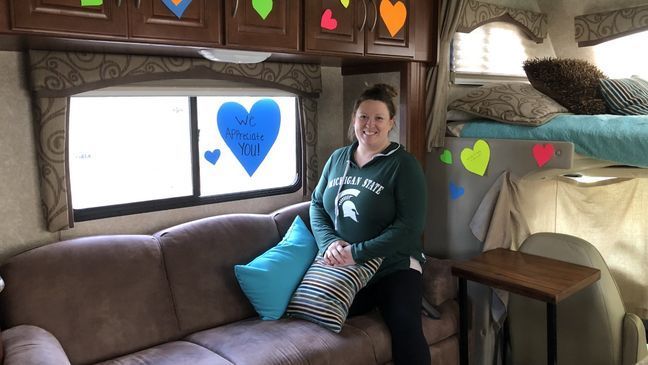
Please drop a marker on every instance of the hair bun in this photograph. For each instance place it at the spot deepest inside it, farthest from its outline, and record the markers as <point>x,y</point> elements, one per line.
<point>380,92</point>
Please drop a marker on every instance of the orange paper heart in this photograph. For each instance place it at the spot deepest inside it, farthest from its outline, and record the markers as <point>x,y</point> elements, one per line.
<point>176,2</point>
<point>393,15</point>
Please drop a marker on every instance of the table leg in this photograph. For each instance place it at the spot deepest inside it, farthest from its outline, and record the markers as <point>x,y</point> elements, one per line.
<point>463,322</point>
<point>552,337</point>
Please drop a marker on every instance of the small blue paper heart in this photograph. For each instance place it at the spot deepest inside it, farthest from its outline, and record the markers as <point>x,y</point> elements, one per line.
<point>456,191</point>
<point>249,136</point>
<point>212,156</point>
<point>178,9</point>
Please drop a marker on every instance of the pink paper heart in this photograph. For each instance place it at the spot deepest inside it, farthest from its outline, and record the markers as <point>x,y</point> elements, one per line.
<point>327,21</point>
<point>543,154</point>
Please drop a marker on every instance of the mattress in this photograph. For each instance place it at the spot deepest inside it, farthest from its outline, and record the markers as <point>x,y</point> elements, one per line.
<point>622,140</point>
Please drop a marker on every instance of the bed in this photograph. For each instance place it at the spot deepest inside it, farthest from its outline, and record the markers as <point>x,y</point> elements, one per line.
<point>604,145</point>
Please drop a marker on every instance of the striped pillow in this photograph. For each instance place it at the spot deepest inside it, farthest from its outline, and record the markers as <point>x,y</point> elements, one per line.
<point>626,96</point>
<point>326,292</point>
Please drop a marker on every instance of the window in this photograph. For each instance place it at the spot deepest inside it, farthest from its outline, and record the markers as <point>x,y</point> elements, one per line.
<point>133,152</point>
<point>623,57</point>
<point>494,49</point>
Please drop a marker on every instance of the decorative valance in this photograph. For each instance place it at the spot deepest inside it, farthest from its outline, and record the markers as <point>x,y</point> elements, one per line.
<point>477,13</point>
<point>57,75</point>
<point>592,29</point>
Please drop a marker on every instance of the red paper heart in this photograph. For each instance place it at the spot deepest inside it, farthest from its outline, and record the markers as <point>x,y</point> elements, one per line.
<point>327,21</point>
<point>543,154</point>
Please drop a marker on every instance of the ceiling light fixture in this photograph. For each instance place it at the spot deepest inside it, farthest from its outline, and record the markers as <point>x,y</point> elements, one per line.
<point>233,56</point>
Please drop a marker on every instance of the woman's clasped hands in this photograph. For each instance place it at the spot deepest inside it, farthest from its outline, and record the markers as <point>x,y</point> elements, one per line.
<point>339,254</point>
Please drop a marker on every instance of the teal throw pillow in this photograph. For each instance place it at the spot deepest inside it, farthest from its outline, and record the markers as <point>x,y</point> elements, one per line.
<point>270,279</point>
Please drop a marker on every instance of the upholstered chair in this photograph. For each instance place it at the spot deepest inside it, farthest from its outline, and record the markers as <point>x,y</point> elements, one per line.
<point>593,325</point>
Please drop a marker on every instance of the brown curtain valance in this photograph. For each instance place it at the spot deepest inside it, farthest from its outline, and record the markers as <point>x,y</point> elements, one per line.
<point>57,75</point>
<point>592,29</point>
<point>478,13</point>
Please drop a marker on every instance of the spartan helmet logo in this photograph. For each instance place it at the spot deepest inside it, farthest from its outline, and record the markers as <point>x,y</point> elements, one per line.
<point>343,200</point>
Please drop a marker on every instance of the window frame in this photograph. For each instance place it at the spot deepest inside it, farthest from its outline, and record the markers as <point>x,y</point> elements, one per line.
<point>107,211</point>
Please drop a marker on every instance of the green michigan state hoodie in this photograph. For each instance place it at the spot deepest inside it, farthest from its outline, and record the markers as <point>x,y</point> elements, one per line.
<point>378,208</point>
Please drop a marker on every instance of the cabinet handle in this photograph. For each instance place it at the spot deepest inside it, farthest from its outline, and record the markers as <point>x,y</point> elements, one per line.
<point>119,3</point>
<point>138,3</point>
<point>236,4</point>
<point>364,18</point>
<point>375,15</point>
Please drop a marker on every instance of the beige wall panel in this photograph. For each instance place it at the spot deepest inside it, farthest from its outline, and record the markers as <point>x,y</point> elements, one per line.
<point>22,225</point>
<point>329,114</point>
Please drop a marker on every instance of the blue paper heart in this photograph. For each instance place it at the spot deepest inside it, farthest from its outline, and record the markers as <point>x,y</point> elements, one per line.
<point>249,136</point>
<point>179,9</point>
<point>456,191</point>
<point>212,156</point>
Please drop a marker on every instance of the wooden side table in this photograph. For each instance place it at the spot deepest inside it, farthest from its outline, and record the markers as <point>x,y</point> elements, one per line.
<point>536,277</point>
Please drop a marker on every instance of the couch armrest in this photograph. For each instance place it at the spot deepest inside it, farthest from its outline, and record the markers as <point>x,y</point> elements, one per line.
<point>634,340</point>
<point>438,283</point>
<point>31,345</point>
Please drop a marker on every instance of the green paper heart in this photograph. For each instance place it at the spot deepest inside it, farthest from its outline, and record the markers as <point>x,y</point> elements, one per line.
<point>476,159</point>
<point>446,157</point>
<point>91,2</point>
<point>345,3</point>
<point>263,7</point>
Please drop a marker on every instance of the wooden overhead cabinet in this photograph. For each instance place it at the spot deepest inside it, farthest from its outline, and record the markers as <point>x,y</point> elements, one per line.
<point>68,17</point>
<point>151,20</point>
<point>362,27</point>
<point>263,25</point>
<point>139,20</point>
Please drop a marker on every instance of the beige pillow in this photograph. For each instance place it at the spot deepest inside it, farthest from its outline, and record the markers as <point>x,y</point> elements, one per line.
<point>515,102</point>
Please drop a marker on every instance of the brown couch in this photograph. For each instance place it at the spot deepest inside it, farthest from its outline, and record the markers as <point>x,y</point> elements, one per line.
<point>172,298</point>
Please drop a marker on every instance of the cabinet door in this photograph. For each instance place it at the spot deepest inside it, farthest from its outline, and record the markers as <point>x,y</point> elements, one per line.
<point>69,17</point>
<point>332,27</point>
<point>151,20</point>
<point>388,16</point>
<point>273,25</point>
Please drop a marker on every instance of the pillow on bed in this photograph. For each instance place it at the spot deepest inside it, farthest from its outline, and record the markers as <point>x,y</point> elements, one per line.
<point>626,96</point>
<point>573,83</point>
<point>326,292</point>
<point>515,102</point>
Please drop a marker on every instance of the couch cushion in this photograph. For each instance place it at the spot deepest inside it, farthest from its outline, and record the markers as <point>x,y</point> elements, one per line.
<point>286,341</point>
<point>171,353</point>
<point>439,284</point>
<point>101,296</point>
<point>435,330</point>
<point>200,258</point>
<point>32,345</point>
<point>285,216</point>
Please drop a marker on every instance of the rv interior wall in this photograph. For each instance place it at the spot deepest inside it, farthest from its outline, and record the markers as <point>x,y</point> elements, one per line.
<point>330,132</point>
<point>22,221</point>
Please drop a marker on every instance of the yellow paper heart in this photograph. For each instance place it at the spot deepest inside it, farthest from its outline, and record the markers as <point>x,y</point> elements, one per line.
<point>345,3</point>
<point>393,15</point>
<point>176,2</point>
<point>476,159</point>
